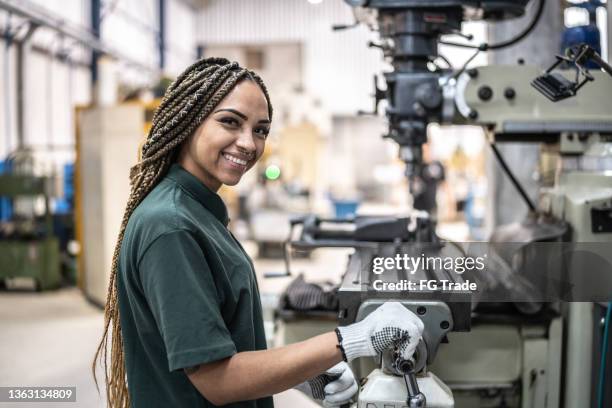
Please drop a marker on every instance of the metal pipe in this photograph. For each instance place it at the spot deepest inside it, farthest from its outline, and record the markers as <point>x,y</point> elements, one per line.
<point>162,34</point>
<point>579,355</point>
<point>59,57</point>
<point>42,18</point>
<point>21,57</point>
<point>8,39</point>
<point>95,9</point>
<point>200,50</point>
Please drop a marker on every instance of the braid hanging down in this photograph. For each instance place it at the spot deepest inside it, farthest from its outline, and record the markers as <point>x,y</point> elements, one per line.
<point>187,102</point>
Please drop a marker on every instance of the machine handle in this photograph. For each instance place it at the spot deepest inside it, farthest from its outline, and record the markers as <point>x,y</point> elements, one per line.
<point>416,399</point>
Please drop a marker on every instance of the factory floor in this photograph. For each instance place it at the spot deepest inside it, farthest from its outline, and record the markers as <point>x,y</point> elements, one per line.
<point>49,338</point>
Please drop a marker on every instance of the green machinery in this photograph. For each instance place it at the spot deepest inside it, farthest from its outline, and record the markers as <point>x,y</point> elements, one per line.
<point>28,247</point>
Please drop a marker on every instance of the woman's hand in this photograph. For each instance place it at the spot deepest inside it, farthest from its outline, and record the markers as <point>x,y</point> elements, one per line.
<point>334,387</point>
<point>391,325</point>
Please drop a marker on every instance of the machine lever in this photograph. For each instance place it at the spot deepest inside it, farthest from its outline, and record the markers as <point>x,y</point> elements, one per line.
<point>416,399</point>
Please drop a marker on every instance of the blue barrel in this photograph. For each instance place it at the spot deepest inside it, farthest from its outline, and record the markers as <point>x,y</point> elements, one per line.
<point>6,204</point>
<point>345,208</point>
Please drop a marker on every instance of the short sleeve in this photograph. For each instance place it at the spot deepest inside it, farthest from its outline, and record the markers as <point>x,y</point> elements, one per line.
<point>181,293</point>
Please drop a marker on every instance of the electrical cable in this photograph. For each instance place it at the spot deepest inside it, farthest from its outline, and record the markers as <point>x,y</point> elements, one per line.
<point>506,43</point>
<point>465,64</point>
<point>462,69</point>
<point>513,179</point>
<point>602,364</point>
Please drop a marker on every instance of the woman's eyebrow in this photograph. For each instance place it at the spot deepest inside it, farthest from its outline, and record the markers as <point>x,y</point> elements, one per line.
<point>240,114</point>
<point>235,112</point>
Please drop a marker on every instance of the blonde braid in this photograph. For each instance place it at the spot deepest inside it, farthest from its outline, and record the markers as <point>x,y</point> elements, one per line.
<point>187,102</point>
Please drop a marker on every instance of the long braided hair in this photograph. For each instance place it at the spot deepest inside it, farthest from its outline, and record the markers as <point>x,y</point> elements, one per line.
<point>186,103</point>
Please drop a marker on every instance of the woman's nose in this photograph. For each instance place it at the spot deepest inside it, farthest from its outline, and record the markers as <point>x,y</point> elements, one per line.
<point>246,141</point>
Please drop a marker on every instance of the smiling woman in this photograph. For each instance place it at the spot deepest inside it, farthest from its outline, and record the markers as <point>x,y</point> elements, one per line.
<point>214,109</point>
<point>231,140</point>
<point>183,300</point>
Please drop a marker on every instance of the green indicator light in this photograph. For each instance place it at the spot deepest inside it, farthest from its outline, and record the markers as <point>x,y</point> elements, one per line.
<point>272,172</point>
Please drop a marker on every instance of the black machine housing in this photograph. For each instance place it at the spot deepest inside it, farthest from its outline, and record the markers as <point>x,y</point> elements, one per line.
<point>410,32</point>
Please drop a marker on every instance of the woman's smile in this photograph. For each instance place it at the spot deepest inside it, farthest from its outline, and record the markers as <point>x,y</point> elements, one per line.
<point>235,162</point>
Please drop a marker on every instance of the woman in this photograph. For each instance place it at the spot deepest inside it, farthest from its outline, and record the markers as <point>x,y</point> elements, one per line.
<point>187,327</point>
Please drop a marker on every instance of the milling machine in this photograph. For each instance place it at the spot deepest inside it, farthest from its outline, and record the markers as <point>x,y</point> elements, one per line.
<point>515,353</point>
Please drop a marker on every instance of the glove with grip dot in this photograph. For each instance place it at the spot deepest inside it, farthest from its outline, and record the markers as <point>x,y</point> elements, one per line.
<point>391,326</point>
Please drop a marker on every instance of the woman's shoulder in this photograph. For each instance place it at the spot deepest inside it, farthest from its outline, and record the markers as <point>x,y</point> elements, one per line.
<point>158,212</point>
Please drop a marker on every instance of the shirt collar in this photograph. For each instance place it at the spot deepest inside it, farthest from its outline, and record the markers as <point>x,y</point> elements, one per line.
<point>200,192</point>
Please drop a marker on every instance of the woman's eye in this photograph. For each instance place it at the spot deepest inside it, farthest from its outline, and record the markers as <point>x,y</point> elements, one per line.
<point>229,121</point>
<point>262,132</point>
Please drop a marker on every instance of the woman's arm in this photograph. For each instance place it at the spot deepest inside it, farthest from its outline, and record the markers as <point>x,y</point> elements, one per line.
<point>255,374</point>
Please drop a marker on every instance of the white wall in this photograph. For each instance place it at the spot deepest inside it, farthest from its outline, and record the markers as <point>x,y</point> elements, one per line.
<point>338,66</point>
<point>181,37</point>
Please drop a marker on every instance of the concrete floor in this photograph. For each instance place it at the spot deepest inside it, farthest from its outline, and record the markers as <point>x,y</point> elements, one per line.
<point>49,339</point>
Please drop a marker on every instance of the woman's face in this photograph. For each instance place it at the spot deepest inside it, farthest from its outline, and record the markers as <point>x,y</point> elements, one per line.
<point>230,140</point>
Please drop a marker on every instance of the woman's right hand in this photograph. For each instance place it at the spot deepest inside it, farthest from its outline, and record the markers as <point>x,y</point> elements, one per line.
<point>389,326</point>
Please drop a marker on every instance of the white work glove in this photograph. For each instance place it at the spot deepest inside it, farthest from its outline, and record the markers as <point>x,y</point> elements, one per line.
<point>334,387</point>
<point>389,326</point>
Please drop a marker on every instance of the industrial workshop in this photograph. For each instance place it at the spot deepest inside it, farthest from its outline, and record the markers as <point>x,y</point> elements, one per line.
<point>306,203</point>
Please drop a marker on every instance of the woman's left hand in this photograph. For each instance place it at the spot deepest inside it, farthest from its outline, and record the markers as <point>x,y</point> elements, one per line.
<point>334,387</point>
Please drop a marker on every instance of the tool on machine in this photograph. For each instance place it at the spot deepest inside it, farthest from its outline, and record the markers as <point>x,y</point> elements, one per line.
<point>556,86</point>
<point>416,399</point>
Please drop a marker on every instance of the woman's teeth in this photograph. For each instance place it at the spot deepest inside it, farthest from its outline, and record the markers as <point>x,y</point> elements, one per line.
<point>235,159</point>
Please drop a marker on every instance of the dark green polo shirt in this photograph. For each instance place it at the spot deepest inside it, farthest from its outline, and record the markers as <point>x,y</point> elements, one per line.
<point>187,293</point>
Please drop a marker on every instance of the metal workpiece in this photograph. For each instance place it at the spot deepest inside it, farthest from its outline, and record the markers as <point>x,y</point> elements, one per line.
<point>362,232</point>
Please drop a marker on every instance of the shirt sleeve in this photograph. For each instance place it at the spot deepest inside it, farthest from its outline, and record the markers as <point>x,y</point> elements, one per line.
<point>180,290</point>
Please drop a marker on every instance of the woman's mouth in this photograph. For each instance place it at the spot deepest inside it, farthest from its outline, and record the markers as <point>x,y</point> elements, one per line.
<point>234,161</point>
